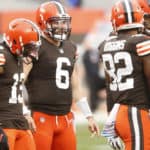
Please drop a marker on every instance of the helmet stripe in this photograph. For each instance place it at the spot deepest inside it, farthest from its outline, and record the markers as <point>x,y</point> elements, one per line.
<point>132,11</point>
<point>129,11</point>
<point>59,7</point>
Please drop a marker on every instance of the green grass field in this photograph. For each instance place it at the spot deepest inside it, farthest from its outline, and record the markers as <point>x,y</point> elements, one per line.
<point>85,142</point>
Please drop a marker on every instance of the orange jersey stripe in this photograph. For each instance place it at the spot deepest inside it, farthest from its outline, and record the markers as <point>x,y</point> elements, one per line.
<point>143,48</point>
<point>143,44</point>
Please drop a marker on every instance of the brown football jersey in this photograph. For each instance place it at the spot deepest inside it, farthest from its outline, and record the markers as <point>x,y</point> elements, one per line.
<point>11,78</point>
<point>49,82</point>
<point>126,83</point>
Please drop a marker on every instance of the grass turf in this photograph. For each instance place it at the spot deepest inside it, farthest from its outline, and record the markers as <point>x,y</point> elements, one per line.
<point>85,142</point>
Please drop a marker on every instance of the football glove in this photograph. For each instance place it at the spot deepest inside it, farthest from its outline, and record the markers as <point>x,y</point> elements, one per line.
<point>109,130</point>
<point>115,143</point>
<point>111,135</point>
<point>3,140</point>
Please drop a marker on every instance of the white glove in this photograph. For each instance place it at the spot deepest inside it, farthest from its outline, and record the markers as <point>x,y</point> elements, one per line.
<point>111,135</point>
<point>115,143</point>
<point>109,130</point>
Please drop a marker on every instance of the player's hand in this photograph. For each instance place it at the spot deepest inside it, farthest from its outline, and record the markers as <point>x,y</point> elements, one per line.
<point>31,123</point>
<point>93,126</point>
<point>115,143</point>
<point>3,140</point>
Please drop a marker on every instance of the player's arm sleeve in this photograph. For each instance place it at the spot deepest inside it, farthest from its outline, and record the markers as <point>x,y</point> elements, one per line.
<point>143,48</point>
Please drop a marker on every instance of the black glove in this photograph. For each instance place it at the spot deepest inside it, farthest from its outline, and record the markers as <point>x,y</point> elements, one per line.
<point>3,140</point>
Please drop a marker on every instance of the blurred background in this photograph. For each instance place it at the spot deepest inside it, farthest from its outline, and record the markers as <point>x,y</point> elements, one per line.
<point>90,25</point>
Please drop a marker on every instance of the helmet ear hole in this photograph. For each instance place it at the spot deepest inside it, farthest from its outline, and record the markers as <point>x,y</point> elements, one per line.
<point>14,42</point>
<point>40,23</point>
<point>145,5</point>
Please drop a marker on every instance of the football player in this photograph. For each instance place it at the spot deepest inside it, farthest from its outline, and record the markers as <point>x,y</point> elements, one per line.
<point>49,82</point>
<point>145,5</point>
<point>126,59</point>
<point>21,40</point>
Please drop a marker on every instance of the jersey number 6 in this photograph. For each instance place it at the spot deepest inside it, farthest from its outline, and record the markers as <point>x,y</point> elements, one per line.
<point>62,73</point>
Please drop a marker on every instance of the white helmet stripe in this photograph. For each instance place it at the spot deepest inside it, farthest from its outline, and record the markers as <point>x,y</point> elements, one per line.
<point>129,11</point>
<point>60,7</point>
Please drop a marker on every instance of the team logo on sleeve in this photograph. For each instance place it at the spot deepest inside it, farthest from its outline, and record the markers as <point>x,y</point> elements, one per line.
<point>143,48</point>
<point>2,59</point>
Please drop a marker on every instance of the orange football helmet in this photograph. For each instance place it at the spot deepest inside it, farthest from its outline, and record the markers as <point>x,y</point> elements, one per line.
<point>53,20</point>
<point>23,37</point>
<point>127,14</point>
<point>145,5</point>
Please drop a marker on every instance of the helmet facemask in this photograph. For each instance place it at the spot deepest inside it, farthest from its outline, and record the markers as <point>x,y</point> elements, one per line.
<point>31,50</point>
<point>58,28</point>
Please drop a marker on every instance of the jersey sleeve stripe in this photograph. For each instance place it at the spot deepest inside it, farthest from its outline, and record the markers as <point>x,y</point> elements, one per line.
<point>143,44</point>
<point>144,52</point>
<point>143,48</point>
<point>146,48</point>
